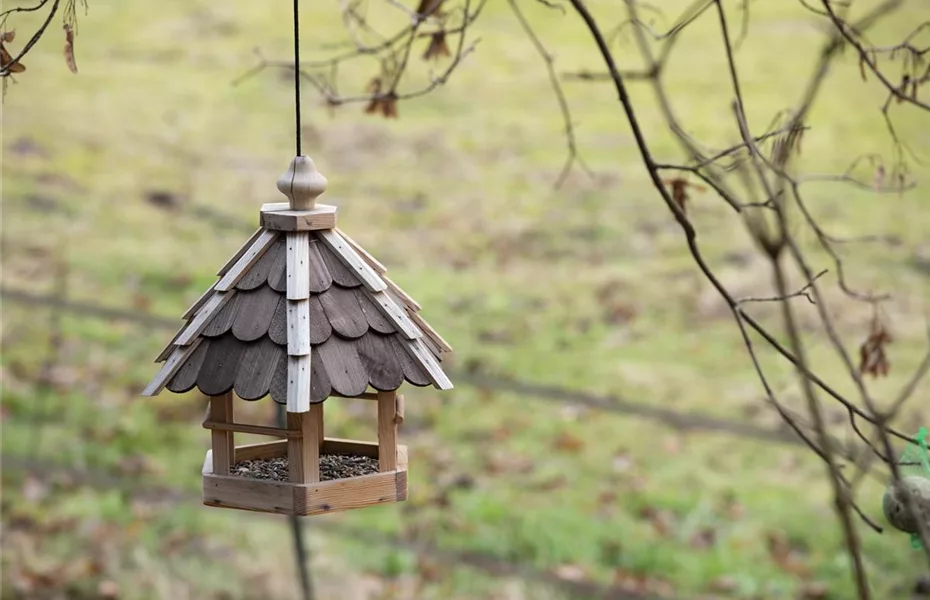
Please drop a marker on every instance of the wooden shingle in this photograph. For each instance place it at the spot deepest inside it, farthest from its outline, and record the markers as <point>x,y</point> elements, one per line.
<point>186,377</point>
<point>343,311</point>
<point>220,365</point>
<point>256,308</point>
<point>320,277</point>
<point>257,368</point>
<point>343,366</point>
<point>258,274</point>
<point>385,371</point>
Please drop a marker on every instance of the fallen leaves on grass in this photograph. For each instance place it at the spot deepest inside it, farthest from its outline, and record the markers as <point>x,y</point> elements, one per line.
<point>503,462</point>
<point>639,583</point>
<point>790,557</point>
<point>814,590</point>
<point>703,538</point>
<point>613,297</point>
<point>663,521</point>
<point>571,572</point>
<point>568,443</point>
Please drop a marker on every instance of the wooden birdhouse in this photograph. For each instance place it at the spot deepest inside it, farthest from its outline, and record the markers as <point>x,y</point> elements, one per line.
<point>302,313</point>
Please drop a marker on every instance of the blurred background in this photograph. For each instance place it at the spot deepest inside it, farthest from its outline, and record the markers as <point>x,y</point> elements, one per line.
<point>607,437</point>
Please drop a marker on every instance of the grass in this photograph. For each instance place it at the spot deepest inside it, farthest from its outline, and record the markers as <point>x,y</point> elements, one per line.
<point>456,198</point>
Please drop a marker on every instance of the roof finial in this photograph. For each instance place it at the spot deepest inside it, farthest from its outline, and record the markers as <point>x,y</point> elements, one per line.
<point>302,183</point>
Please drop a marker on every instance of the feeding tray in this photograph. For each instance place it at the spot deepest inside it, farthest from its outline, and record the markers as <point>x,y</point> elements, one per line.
<point>268,495</point>
<point>302,313</point>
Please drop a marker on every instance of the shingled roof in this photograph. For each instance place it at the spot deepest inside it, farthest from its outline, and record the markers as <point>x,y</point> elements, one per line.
<point>303,314</point>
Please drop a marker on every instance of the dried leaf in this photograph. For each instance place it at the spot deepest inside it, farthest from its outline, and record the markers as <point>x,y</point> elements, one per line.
<point>437,46</point>
<point>69,48</point>
<point>385,104</point>
<point>862,67</point>
<point>389,106</point>
<point>788,557</point>
<point>662,521</point>
<point>703,538</point>
<point>680,187</point>
<point>902,89</point>
<point>679,192</point>
<point>6,62</point>
<point>571,572</point>
<point>8,36</point>
<point>873,359</point>
<point>566,442</point>
<point>428,8</point>
<point>814,590</point>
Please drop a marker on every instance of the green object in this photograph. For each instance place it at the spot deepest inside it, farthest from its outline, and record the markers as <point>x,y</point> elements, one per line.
<point>913,464</point>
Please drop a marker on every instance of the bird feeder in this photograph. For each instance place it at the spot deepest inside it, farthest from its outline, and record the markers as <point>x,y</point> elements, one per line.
<point>302,313</point>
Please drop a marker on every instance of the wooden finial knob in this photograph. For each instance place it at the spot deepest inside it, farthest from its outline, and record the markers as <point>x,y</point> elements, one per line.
<point>302,183</point>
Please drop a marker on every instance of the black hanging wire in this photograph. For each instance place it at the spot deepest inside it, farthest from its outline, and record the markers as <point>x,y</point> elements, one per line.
<point>297,76</point>
<point>301,554</point>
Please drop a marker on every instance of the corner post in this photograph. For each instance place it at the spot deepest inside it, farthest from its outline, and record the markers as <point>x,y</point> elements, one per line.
<point>303,453</point>
<point>222,442</point>
<point>387,431</point>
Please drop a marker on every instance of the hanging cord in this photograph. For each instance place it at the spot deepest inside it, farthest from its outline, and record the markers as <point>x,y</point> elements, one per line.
<point>300,548</point>
<point>297,77</point>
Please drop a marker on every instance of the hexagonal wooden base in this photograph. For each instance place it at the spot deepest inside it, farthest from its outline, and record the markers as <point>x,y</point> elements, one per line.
<point>280,217</point>
<point>229,491</point>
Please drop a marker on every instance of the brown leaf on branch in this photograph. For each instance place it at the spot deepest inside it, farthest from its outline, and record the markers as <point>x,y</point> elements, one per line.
<point>69,48</point>
<point>872,357</point>
<point>680,194</point>
<point>905,84</point>
<point>437,46</point>
<point>429,8</point>
<point>6,60</point>
<point>862,67</point>
<point>385,104</point>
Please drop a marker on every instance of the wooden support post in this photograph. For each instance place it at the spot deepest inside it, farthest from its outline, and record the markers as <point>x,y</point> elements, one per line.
<point>303,453</point>
<point>222,441</point>
<point>316,416</point>
<point>399,410</point>
<point>387,432</point>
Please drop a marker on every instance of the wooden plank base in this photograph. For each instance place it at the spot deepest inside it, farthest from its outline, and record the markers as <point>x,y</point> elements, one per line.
<point>227,491</point>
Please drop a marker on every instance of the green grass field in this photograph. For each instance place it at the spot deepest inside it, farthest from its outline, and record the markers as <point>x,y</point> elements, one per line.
<point>589,287</point>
